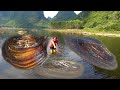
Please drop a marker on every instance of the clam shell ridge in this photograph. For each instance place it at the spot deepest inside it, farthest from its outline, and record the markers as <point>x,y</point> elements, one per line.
<point>25,51</point>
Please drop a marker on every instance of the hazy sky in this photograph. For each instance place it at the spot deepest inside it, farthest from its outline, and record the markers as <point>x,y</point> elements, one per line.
<point>53,13</point>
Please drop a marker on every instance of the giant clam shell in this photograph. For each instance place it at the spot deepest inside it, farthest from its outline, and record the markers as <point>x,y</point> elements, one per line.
<point>25,51</point>
<point>60,69</point>
<point>93,51</point>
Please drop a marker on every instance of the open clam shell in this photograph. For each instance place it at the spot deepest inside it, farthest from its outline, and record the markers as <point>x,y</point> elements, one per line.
<point>25,51</point>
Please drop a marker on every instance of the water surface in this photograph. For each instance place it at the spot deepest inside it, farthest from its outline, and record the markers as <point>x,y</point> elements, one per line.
<point>90,71</point>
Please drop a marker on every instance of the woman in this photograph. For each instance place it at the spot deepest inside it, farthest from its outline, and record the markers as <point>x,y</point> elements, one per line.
<point>53,45</point>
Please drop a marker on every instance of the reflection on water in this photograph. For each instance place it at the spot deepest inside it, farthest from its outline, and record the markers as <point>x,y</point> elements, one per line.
<point>90,71</point>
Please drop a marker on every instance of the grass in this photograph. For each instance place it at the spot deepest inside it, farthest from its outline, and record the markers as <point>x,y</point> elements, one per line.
<point>110,33</point>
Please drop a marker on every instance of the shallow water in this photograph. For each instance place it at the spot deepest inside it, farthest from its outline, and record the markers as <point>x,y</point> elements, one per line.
<point>7,71</point>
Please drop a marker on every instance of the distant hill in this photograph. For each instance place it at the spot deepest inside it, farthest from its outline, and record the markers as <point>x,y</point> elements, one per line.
<point>83,14</point>
<point>64,15</point>
<point>21,18</point>
<point>49,18</point>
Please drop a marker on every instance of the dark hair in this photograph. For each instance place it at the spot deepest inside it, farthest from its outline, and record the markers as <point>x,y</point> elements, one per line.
<point>54,37</point>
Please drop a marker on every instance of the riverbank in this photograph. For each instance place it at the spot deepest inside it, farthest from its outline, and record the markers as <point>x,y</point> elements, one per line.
<point>86,32</point>
<point>109,33</point>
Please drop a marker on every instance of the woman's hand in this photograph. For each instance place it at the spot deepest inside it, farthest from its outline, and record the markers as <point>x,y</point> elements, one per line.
<point>54,46</point>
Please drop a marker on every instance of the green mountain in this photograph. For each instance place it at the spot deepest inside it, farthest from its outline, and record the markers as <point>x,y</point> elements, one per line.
<point>49,18</point>
<point>83,14</point>
<point>64,15</point>
<point>100,19</point>
<point>21,18</point>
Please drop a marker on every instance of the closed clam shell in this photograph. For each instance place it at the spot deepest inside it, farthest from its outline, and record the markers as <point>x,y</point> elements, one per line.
<point>92,51</point>
<point>25,51</point>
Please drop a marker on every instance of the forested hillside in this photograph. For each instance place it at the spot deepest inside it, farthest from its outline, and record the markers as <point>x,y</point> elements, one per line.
<point>22,18</point>
<point>109,20</point>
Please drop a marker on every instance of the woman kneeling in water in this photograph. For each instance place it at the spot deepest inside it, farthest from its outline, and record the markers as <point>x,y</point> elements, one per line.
<point>53,44</point>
